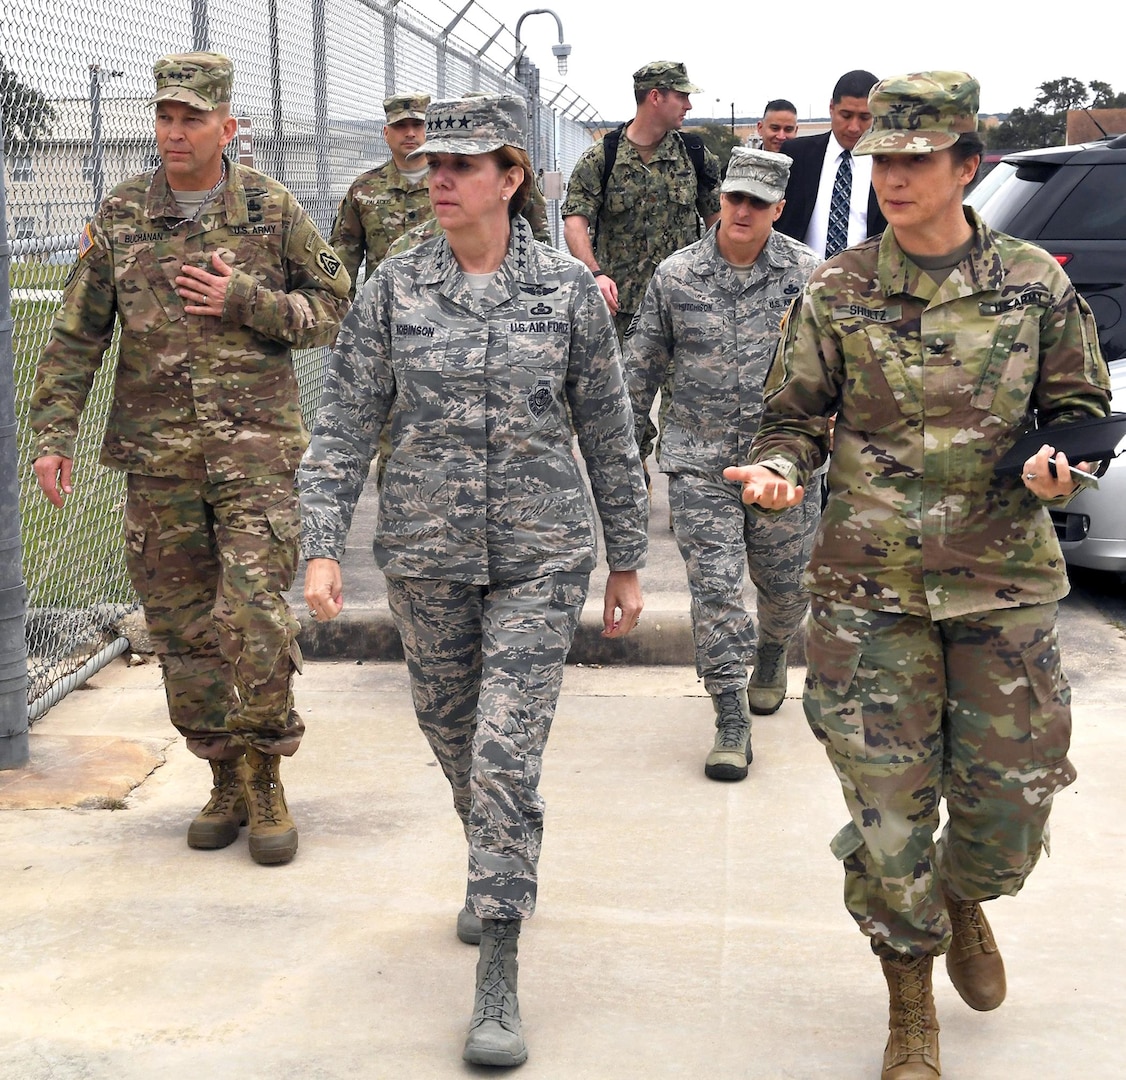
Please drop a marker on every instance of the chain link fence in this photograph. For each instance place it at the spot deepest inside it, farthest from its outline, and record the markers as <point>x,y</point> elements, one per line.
<point>310,77</point>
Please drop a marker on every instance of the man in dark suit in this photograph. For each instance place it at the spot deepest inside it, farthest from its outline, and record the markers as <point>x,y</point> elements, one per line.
<point>818,159</point>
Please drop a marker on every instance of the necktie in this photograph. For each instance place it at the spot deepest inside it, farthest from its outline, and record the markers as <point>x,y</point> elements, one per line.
<point>837,237</point>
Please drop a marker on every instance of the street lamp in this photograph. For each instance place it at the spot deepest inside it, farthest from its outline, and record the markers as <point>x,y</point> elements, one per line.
<point>528,75</point>
<point>97,169</point>
<point>561,52</point>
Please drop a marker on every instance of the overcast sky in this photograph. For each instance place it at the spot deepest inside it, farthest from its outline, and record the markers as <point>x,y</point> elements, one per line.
<point>749,53</point>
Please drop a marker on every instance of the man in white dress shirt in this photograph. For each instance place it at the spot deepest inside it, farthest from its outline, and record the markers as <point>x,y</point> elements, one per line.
<point>817,171</point>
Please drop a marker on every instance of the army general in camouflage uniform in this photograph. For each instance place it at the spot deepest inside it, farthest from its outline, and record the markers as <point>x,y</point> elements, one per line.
<point>706,332</point>
<point>478,348</point>
<point>934,660</point>
<point>392,199</point>
<point>215,274</point>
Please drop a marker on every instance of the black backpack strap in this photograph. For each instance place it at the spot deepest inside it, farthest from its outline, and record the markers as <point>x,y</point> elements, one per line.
<point>694,147</point>
<point>610,143</point>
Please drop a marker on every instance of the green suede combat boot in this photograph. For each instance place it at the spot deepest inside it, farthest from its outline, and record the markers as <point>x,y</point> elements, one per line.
<point>495,1037</point>
<point>767,687</point>
<point>731,753</point>
<point>217,824</point>
<point>273,836</point>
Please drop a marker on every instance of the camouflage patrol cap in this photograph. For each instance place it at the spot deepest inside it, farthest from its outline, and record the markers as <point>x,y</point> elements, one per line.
<point>664,75</point>
<point>405,107</point>
<point>199,79</point>
<point>474,125</point>
<point>760,173</point>
<point>920,113</point>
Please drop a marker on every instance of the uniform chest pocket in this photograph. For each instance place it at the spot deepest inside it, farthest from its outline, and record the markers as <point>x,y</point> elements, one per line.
<point>876,391</point>
<point>621,199</point>
<point>146,298</point>
<point>682,190</point>
<point>1011,346</point>
<point>417,345</point>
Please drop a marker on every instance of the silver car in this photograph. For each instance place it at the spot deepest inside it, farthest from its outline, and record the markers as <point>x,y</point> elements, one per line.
<point>1092,527</point>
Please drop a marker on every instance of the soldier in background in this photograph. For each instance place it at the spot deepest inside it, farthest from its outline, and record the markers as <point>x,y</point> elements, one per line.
<point>624,221</point>
<point>485,533</point>
<point>387,201</point>
<point>215,274</point>
<point>706,333</point>
<point>933,656</point>
<point>622,226</point>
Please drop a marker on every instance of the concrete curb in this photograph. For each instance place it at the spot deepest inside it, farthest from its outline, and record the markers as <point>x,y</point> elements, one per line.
<point>664,638</point>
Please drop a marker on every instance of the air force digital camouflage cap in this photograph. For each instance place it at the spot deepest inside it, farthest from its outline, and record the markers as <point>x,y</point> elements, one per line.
<point>664,75</point>
<point>405,107</point>
<point>200,79</point>
<point>474,125</point>
<point>920,113</point>
<point>757,172</point>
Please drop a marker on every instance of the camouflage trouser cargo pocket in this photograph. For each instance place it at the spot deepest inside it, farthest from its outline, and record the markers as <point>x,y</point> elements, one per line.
<point>834,714</point>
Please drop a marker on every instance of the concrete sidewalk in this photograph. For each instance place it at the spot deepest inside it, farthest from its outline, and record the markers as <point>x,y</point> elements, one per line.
<point>685,928</point>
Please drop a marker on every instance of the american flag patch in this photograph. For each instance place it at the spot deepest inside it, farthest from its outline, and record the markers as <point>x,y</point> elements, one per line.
<point>85,240</point>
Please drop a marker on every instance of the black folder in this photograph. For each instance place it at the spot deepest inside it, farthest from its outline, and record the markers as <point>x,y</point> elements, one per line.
<point>1095,439</point>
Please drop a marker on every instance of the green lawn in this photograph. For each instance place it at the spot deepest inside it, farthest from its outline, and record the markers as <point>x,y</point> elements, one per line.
<point>71,557</point>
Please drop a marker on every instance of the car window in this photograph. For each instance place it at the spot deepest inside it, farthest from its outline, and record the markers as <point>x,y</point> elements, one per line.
<point>1094,210</point>
<point>987,184</point>
<point>1003,193</point>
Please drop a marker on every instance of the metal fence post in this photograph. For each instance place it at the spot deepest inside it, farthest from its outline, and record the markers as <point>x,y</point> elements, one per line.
<point>13,602</point>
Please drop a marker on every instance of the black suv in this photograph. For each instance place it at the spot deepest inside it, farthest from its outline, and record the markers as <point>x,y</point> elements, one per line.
<point>1071,200</point>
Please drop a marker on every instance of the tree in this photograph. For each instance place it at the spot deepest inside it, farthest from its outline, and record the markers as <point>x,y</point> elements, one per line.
<point>1059,95</point>
<point>720,140</point>
<point>1045,122</point>
<point>27,114</point>
<point>1026,129</point>
<point>1105,97</point>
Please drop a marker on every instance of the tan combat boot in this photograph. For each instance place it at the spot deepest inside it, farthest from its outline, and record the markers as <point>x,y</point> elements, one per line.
<point>767,687</point>
<point>217,824</point>
<point>973,963</point>
<point>273,836</point>
<point>731,753</point>
<point>912,1047</point>
<point>495,1036</point>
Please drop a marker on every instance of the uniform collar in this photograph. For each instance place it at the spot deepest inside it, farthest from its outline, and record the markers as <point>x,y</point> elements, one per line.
<point>521,265</point>
<point>160,203</point>
<point>982,270</point>
<point>708,262</point>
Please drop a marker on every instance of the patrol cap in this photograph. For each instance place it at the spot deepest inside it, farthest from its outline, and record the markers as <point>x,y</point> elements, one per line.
<point>411,106</point>
<point>199,79</point>
<point>474,125</point>
<point>664,75</point>
<point>760,173</point>
<point>920,113</point>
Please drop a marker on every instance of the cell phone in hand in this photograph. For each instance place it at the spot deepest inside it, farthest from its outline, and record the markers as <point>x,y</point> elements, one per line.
<point>1083,479</point>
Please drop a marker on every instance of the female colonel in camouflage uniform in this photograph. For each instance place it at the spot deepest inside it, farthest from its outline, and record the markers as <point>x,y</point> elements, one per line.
<point>934,662</point>
<point>479,348</point>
